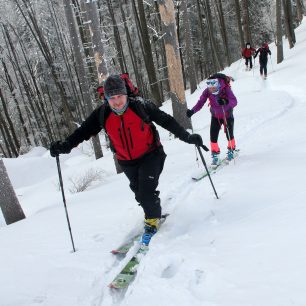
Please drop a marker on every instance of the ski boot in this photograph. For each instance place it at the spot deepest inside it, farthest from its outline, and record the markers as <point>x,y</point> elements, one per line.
<point>215,159</point>
<point>150,228</point>
<point>230,154</point>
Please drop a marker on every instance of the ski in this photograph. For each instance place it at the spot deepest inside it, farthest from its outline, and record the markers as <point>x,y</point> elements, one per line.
<point>214,169</point>
<point>123,249</point>
<point>129,271</point>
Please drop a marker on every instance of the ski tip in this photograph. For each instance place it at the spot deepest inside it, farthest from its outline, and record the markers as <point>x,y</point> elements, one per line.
<point>115,252</point>
<point>112,286</point>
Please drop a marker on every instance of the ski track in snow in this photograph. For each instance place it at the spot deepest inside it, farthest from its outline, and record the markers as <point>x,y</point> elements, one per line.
<point>170,200</point>
<point>242,250</point>
<point>181,189</point>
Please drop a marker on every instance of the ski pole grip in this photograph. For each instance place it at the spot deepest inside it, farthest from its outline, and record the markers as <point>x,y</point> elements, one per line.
<point>204,148</point>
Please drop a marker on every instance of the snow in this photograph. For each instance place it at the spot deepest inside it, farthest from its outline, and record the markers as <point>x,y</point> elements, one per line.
<point>247,248</point>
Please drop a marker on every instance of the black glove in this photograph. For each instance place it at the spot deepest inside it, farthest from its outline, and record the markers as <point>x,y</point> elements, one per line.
<point>189,113</point>
<point>222,101</point>
<point>59,147</point>
<point>195,139</point>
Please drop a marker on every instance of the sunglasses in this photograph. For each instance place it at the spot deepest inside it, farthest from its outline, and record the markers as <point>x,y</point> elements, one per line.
<point>212,83</point>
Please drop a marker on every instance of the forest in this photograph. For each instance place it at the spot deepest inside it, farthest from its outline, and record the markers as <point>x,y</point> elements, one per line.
<point>54,55</point>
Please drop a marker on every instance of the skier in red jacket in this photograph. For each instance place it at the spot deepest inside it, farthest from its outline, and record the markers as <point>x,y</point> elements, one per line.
<point>247,53</point>
<point>128,122</point>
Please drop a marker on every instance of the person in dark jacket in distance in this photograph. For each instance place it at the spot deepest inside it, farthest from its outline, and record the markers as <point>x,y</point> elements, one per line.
<point>128,123</point>
<point>263,59</point>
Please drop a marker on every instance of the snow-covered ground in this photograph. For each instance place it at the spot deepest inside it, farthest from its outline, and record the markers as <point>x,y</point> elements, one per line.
<point>245,249</point>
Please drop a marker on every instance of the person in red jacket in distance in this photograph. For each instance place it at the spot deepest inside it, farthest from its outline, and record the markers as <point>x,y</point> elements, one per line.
<point>128,122</point>
<point>247,53</point>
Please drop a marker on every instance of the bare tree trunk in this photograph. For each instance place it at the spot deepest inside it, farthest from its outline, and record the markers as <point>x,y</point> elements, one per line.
<point>87,96</point>
<point>288,24</point>
<point>177,93</point>
<point>154,84</point>
<point>223,31</point>
<point>121,58</point>
<point>299,10</point>
<point>291,21</point>
<point>246,21</point>
<point>237,9</point>
<point>178,30</point>
<point>279,32</point>
<point>161,45</point>
<point>7,145</point>
<point>189,49</point>
<point>216,56</point>
<point>10,123</point>
<point>11,209</point>
<point>6,132</point>
<point>131,48</point>
<point>96,38</point>
<point>2,151</point>
<point>203,40</point>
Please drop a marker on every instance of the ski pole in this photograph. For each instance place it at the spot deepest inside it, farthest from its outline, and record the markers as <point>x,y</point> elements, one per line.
<point>227,130</point>
<point>253,66</point>
<point>204,163</point>
<point>64,199</point>
<point>272,64</point>
<point>196,153</point>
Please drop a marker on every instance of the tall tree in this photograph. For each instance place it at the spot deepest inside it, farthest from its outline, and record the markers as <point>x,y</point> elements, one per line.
<point>177,93</point>
<point>210,25</point>
<point>223,31</point>
<point>300,10</point>
<point>189,49</point>
<point>92,21</point>
<point>246,21</point>
<point>279,32</point>
<point>287,8</point>
<point>148,58</point>
<point>238,16</point>
<point>79,61</point>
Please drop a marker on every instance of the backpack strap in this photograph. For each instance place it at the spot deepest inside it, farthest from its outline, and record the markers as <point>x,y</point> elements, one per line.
<point>103,112</point>
<point>138,105</point>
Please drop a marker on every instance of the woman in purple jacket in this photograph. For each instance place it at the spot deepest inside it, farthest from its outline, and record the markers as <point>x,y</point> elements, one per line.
<point>221,101</point>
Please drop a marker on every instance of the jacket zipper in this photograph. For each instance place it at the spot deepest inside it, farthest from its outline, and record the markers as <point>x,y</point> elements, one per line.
<point>131,140</point>
<point>120,135</point>
<point>125,137</point>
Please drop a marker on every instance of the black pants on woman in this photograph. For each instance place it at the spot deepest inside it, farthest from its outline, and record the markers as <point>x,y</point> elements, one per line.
<point>247,60</point>
<point>263,68</point>
<point>143,174</point>
<point>215,127</point>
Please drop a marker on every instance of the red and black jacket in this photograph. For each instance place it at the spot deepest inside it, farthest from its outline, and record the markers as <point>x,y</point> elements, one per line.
<point>132,134</point>
<point>247,53</point>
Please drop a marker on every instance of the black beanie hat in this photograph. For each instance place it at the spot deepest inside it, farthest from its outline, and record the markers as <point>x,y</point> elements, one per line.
<point>113,86</point>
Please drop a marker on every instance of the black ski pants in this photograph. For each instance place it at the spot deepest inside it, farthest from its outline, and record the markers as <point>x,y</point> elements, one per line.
<point>143,175</point>
<point>263,68</point>
<point>215,127</point>
<point>249,60</point>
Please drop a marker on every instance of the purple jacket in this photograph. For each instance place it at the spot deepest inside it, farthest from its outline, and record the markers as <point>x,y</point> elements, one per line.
<point>216,109</point>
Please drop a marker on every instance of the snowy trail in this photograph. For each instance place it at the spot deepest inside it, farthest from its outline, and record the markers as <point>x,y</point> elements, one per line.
<point>245,249</point>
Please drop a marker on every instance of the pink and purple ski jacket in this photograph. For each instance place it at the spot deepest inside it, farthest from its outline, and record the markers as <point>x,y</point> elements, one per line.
<point>216,109</point>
